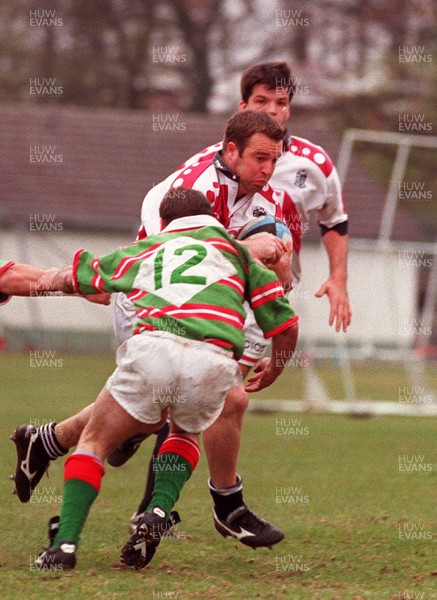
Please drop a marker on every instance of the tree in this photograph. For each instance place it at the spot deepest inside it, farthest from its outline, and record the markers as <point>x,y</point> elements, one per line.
<point>196,20</point>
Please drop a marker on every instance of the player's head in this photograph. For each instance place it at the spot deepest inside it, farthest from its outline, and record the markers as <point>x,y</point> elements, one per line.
<point>251,146</point>
<point>183,202</point>
<point>268,87</point>
<point>242,126</point>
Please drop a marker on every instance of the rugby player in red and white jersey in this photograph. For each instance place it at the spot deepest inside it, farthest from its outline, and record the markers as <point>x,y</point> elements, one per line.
<point>235,181</point>
<point>307,182</point>
<point>310,179</point>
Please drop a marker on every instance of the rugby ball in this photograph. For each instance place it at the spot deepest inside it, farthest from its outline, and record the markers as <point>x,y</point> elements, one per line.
<point>265,224</point>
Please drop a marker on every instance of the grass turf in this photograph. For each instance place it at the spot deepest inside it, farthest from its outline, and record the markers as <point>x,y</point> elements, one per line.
<point>356,525</point>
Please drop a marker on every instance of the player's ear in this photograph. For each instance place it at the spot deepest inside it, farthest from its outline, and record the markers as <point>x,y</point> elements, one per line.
<point>231,149</point>
<point>242,105</point>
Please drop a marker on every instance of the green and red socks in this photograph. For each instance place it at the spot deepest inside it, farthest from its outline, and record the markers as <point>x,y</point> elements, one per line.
<point>83,472</point>
<point>173,466</point>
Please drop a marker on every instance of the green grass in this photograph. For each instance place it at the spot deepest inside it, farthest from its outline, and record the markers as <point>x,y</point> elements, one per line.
<point>373,381</point>
<point>342,526</point>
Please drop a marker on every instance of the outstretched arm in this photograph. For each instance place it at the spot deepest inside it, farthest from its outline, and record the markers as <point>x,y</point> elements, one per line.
<point>20,279</point>
<point>61,280</point>
<point>26,280</point>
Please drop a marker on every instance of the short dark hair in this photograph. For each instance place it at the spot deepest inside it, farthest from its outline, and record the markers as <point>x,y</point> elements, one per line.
<point>246,123</point>
<point>273,75</point>
<point>183,202</point>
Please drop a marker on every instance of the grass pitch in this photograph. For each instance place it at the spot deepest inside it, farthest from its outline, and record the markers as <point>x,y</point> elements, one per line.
<point>355,499</point>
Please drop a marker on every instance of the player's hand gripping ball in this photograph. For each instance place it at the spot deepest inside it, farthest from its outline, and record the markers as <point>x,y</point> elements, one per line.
<point>266,224</point>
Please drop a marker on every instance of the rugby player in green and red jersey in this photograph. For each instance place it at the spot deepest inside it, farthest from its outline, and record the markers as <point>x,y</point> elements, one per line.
<point>188,285</point>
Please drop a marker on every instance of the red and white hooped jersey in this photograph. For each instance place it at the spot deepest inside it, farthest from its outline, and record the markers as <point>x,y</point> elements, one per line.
<point>307,181</point>
<point>220,186</point>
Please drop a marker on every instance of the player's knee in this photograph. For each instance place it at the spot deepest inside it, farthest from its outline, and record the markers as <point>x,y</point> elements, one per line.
<point>236,403</point>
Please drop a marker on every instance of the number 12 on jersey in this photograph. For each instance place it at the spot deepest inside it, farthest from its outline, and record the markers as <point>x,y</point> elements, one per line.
<point>177,275</point>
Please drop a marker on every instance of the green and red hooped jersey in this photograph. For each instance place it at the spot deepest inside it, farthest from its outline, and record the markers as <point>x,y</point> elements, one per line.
<point>4,266</point>
<point>190,280</point>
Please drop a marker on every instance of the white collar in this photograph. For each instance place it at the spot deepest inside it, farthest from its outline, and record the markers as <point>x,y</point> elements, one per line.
<point>192,222</point>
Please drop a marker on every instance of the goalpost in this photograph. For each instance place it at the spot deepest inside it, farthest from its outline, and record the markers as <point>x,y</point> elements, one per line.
<point>380,270</point>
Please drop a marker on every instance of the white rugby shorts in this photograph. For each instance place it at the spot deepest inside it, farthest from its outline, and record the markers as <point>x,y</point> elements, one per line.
<point>158,370</point>
<point>255,344</point>
<point>123,317</point>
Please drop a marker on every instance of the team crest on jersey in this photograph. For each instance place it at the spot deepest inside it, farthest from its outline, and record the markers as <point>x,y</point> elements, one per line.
<point>301,178</point>
<point>259,211</point>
